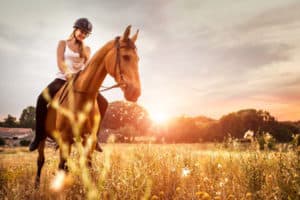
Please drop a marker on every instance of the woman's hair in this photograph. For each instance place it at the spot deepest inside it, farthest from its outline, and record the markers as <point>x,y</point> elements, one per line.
<point>82,49</point>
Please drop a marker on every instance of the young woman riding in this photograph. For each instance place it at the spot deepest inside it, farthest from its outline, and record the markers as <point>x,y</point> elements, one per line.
<point>72,55</point>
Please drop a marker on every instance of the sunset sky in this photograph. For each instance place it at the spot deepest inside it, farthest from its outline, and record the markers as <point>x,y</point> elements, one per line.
<point>197,57</point>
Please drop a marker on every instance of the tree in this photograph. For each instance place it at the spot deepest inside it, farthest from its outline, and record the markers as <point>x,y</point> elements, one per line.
<point>10,121</point>
<point>120,114</point>
<point>182,129</point>
<point>27,119</point>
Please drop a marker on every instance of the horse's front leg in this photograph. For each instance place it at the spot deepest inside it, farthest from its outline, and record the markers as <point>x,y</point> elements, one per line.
<point>89,148</point>
<point>64,151</point>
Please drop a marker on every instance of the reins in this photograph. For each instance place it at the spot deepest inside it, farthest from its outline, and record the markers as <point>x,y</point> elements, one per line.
<point>117,65</point>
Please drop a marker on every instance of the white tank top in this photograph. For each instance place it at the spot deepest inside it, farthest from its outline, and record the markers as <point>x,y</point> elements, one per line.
<point>73,62</point>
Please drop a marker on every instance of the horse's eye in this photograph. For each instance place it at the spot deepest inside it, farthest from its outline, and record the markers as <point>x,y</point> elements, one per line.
<point>126,57</point>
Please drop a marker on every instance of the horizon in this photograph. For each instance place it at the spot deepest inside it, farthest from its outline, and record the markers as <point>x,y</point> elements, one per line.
<point>163,119</point>
<point>205,58</point>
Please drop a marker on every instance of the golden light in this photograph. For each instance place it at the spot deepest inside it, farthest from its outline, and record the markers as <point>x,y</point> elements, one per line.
<point>185,172</point>
<point>158,117</point>
<point>58,181</point>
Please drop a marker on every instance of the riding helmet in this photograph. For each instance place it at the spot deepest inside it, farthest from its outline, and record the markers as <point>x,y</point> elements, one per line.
<point>83,24</point>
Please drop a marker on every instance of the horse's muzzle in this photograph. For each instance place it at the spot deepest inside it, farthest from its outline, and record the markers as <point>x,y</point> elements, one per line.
<point>132,93</point>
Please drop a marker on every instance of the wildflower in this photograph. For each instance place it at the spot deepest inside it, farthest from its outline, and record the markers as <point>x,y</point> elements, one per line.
<point>178,189</point>
<point>199,194</point>
<point>221,184</point>
<point>154,197</point>
<point>203,195</point>
<point>161,193</point>
<point>249,195</point>
<point>206,196</point>
<point>219,166</point>
<point>58,181</point>
<point>249,134</point>
<point>185,172</point>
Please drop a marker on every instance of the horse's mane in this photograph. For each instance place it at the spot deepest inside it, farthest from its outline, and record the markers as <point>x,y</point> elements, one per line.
<point>98,57</point>
<point>93,66</point>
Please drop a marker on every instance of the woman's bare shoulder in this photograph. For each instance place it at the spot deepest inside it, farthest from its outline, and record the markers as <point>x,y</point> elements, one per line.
<point>62,42</point>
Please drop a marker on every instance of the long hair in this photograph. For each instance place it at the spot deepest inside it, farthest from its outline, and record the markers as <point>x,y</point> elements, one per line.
<point>82,49</point>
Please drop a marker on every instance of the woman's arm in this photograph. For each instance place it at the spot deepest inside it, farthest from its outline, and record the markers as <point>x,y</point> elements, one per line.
<point>88,52</point>
<point>60,56</point>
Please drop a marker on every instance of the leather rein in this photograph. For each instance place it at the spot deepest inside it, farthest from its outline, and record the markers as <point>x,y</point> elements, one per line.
<point>117,66</point>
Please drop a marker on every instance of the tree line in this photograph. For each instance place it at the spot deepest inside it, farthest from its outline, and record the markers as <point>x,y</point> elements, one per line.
<point>130,120</point>
<point>26,120</point>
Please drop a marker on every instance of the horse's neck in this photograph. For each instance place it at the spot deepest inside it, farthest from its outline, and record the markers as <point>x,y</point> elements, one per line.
<point>91,78</point>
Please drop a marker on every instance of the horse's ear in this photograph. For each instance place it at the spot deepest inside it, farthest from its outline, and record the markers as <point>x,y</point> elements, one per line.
<point>133,39</point>
<point>126,33</point>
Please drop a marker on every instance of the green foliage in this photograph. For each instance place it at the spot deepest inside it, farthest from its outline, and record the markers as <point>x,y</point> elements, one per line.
<point>261,142</point>
<point>27,119</point>
<point>258,121</point>
<point>296,140</point>
<point>10,121</point>
<point>120,113</point>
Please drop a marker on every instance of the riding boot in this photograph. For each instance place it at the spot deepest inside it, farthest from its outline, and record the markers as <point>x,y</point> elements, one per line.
<point>41,110</point>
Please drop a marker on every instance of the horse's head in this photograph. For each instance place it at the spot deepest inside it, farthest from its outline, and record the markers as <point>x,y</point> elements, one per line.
<point>121,62</point>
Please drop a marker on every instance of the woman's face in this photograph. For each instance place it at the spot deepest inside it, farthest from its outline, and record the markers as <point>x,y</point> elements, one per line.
<point>80,34</point>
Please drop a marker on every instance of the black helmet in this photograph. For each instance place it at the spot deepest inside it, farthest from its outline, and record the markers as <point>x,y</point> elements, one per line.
<point>83,24</point>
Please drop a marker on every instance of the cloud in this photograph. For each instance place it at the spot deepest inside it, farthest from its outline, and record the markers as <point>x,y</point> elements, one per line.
<point>278,17</point>
<point>203,51</point>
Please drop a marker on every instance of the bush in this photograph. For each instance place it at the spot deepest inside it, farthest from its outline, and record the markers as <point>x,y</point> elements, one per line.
<point>2,142</point>
<point>24,142</point>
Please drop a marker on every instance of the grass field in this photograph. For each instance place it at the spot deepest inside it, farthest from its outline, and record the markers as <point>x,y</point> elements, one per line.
<point>157,171</point>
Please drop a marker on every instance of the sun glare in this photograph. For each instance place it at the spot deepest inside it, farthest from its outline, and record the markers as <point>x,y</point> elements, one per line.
<point>158,117</point>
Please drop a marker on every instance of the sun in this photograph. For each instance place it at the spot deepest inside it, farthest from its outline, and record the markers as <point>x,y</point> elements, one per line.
<point>159,117</point>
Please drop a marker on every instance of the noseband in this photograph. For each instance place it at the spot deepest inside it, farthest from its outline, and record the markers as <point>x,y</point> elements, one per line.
<point>129,45</point>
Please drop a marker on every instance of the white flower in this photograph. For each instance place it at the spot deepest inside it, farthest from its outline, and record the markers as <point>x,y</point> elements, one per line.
<point>185,171</point>
<point>58,180</point>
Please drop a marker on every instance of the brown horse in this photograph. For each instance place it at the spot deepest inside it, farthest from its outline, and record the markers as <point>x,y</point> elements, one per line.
<point>117,58</point>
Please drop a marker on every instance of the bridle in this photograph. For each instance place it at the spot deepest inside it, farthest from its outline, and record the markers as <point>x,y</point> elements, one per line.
<point>129,45</point>
<point>117,66</point>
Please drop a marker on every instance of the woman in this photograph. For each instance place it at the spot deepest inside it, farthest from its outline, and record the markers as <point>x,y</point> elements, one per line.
<point>72,55</point>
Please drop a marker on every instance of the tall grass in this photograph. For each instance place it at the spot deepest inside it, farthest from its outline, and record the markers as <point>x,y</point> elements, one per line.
<point>148,171</point>
<point>141,171</point>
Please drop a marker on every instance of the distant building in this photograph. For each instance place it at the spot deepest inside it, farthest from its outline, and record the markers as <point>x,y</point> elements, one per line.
<point>13,136</point>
